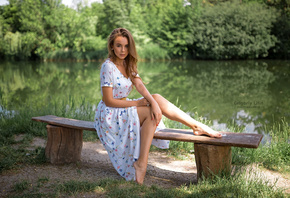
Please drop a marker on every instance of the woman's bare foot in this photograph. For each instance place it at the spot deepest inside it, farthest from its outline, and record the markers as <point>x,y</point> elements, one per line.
<point>209,132</point>
<point>139,173</point>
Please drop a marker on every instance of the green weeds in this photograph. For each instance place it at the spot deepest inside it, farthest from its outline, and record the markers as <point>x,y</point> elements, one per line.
<point>21,186</point>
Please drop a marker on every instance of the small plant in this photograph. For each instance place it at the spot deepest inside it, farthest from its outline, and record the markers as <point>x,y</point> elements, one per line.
<point>41,181</point>
<point>21,186</point>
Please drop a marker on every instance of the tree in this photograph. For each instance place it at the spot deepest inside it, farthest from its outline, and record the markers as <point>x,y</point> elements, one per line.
<point>168,22</point>
<point>232,31</point>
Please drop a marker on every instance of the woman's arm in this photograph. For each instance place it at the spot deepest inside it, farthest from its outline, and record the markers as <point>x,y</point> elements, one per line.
<point>110,101</point>
<point>155,110</point>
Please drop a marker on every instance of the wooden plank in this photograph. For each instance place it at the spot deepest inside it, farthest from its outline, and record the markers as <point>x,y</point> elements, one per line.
<point>247,140</point>
<point>66,122</point>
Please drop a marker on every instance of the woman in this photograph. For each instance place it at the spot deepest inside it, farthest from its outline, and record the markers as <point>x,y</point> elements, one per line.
<point>126,127</point>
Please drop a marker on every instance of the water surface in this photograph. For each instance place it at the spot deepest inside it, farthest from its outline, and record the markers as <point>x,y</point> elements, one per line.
<point>248,93</point>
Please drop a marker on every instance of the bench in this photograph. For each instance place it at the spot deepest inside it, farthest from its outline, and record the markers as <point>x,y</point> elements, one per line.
<point>212,155</point>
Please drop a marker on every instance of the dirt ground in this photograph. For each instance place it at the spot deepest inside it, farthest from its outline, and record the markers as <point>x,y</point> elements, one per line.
<point>163,170</point>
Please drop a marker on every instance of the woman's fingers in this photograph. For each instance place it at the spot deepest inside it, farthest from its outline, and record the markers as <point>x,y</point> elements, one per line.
<point>143,102</point>
<point>158,117</point>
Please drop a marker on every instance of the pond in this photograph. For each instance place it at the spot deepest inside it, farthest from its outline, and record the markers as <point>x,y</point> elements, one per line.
<point>248,93</point>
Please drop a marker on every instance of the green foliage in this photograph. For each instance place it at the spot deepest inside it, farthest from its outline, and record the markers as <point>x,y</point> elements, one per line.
<point>233,30</point>
<point>31,17</point>
<point>12,43</point>
<point>168,25</point>
<point>213,29</point>
<point>281,30</point>
<point>152,52</point>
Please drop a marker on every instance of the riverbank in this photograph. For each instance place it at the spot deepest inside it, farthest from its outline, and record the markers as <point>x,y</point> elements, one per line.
<point>166,176</point>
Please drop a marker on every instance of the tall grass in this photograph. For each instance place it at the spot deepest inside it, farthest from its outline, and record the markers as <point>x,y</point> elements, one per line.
<point>274,154</point>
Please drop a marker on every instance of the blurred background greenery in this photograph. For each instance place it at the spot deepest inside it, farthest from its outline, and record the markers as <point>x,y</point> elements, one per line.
<point>165,29</point>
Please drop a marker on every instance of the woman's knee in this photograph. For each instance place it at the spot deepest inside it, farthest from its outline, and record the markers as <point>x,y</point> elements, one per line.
<point>143,113</point>
<point>157,97</point>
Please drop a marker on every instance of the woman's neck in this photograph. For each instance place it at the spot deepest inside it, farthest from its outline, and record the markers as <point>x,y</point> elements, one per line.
<point>119,62</point>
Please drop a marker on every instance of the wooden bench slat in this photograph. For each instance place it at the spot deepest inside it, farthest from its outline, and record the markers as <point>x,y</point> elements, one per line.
<point>66,122</point>
<point>247,140</point>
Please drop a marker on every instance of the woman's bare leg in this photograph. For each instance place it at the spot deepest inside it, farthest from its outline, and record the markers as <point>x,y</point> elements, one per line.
<point>174,113</point>
<point>147,133</point>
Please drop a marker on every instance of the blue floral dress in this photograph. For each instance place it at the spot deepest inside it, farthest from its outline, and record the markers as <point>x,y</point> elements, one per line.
<point>119,128</point>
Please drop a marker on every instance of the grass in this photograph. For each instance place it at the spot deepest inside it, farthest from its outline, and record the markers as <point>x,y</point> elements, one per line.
<point>241,184</point>
<point>274,155</point>
<point>21,186</point>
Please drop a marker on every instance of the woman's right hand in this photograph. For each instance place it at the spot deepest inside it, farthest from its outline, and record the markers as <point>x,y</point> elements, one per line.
<point>156,113</point>
<point>142,102</point>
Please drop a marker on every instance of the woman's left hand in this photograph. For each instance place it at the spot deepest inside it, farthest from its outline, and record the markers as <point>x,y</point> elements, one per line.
<point>156,113</point>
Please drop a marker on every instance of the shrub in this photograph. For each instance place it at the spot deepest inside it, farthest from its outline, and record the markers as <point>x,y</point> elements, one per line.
<point>152,52</point>
<point>232,30</point>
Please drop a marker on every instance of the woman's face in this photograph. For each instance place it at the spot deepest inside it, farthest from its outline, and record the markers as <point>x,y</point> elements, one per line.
<point>121,47</point>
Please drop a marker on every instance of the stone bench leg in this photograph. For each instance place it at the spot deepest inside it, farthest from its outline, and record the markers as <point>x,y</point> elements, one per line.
<point>64,145</point>
<point>211,159</point>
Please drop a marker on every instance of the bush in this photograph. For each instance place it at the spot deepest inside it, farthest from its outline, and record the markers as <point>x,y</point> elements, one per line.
<point>152,52</point>
<point>233,30</point>
<point>281,30</point>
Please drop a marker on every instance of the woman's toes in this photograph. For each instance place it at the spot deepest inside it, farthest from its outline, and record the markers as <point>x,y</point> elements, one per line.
<point>214,134</point>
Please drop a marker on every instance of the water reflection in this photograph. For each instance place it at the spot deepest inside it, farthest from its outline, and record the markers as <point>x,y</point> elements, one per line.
<point>244,91</point>
<point>252,93</point>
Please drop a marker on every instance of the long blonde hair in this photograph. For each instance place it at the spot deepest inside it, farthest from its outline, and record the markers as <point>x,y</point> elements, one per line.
<point>131,60</point>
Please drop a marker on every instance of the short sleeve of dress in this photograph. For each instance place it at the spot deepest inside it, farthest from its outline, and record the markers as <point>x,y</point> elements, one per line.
<point>106,75</point>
